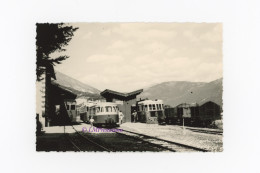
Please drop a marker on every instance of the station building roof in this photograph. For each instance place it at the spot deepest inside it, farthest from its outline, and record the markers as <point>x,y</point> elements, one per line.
<point>107,92</point>
<point>58,90</point>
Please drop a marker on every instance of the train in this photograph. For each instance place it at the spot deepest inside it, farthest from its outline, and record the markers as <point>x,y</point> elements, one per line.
<point>150,111</point>
<point>84,112</point>
<point>72,111</point>
<point>104,114</point>
<point>201,115</point>
<point>153,112</point>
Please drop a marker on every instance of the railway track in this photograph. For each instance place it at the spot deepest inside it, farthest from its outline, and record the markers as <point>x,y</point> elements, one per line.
<point>161,143</point>
<point>80,144</point>
<point>205,131</point>
<point>83,142</point>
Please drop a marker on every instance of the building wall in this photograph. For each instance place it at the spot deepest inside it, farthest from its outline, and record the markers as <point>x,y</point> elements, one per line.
<point>127,105</point>
<point>124,106</point>
<point>40,100</point>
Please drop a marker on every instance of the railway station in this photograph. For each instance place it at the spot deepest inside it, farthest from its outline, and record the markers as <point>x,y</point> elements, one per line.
<point>125,101</point>
<point>70,112</point>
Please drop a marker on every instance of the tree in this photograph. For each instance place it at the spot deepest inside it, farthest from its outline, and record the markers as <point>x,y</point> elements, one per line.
<point>51,38</point>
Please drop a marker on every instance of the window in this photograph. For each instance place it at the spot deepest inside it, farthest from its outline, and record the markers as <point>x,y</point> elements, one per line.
<point>154,107</point>
<point>150,107</point>
<point>68,107</point>
<point>145,108</point>
<point>160,106</point>
<point>108,109</point>
<point>114,109</point>
<point>140,108</point>
<point>97,109</point>
<point>72,107</point>
<point>157,106</point>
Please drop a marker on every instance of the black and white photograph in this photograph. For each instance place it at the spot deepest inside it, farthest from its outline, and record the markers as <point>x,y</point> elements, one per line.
<point>139,87</point>
<point>130,86</point>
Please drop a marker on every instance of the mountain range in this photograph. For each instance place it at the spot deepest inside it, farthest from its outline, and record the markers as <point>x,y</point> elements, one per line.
<point>76,87</point>
<point>172,92</point>
<point>176,92</point>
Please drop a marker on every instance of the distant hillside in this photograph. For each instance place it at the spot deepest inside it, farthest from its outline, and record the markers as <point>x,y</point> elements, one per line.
<point>176,92</point>
<point>77,87</point>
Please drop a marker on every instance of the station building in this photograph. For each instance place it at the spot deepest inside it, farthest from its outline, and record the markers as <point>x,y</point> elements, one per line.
<point>125,101</point>
<point>53,103</point>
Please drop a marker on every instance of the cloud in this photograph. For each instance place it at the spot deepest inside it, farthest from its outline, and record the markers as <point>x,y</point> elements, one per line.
<point>214,35</point>
<point>87,35</point>
<point>129,56</point>
<point>119,44</point>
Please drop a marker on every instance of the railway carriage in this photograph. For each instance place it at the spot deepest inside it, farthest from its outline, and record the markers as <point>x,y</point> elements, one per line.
<point>150,111</point>
<point>208,112</point>
<point>104,113</point>
<point>71,110</point>
<point>84,112</point>
<point>202,114</point>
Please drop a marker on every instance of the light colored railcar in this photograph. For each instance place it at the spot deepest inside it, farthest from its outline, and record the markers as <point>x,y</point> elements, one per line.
<point>104,113</point>
<point>71,110</point>
<point>150,111</point>
<point>84,112</point>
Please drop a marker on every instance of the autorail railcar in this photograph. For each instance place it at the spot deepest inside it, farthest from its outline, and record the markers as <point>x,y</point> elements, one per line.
<point>71,110</point>
<point>84,112</point>
<point>150,111</point>
<point>104,114</point>
<point>202,114</point>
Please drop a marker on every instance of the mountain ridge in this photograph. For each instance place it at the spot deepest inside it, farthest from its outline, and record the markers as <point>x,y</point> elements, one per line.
<point>174,93</point>
<point>75,86</point>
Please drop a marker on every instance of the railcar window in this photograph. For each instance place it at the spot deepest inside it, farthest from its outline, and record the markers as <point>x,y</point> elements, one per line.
<point>97,109</point>
<point>160,106</point>
<point>145,108</point>
<point>150,107</point>
<point>72,107</point>
<point>157,106</point>
<point>68,107</point>
<point>140,107</point>
<point>114,109</point>
<point>154,107</point>
<point>108,109</point>
<point>101,109</point>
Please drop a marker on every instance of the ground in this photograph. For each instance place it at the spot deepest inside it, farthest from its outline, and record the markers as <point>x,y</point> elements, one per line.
<point>54,139</point>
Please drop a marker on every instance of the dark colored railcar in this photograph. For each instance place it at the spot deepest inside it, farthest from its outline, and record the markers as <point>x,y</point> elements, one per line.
<point>193,114</point>
<point>150,111</point>
<point>209,112</point>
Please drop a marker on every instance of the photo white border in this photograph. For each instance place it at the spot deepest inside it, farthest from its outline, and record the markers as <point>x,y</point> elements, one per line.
<point>241,26</point>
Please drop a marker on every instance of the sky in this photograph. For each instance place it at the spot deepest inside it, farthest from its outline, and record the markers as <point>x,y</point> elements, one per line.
<point>128,56</point>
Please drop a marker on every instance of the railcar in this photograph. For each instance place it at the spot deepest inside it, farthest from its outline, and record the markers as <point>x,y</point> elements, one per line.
<point>178,114</point>
<point>71,110</point>
<point>84,112</point>
<point>150,111</point>
<point>104,114</point>
<point>201,115</point>
<point>208,112</point>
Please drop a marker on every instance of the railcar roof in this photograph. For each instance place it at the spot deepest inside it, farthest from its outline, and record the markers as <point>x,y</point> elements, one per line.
<point>151,102</point>
<point>133,93</point>
<point>104,104</point>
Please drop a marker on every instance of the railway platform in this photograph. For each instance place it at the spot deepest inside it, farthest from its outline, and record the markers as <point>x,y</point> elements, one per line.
<point>53,138</point>
<point>174,133</point>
